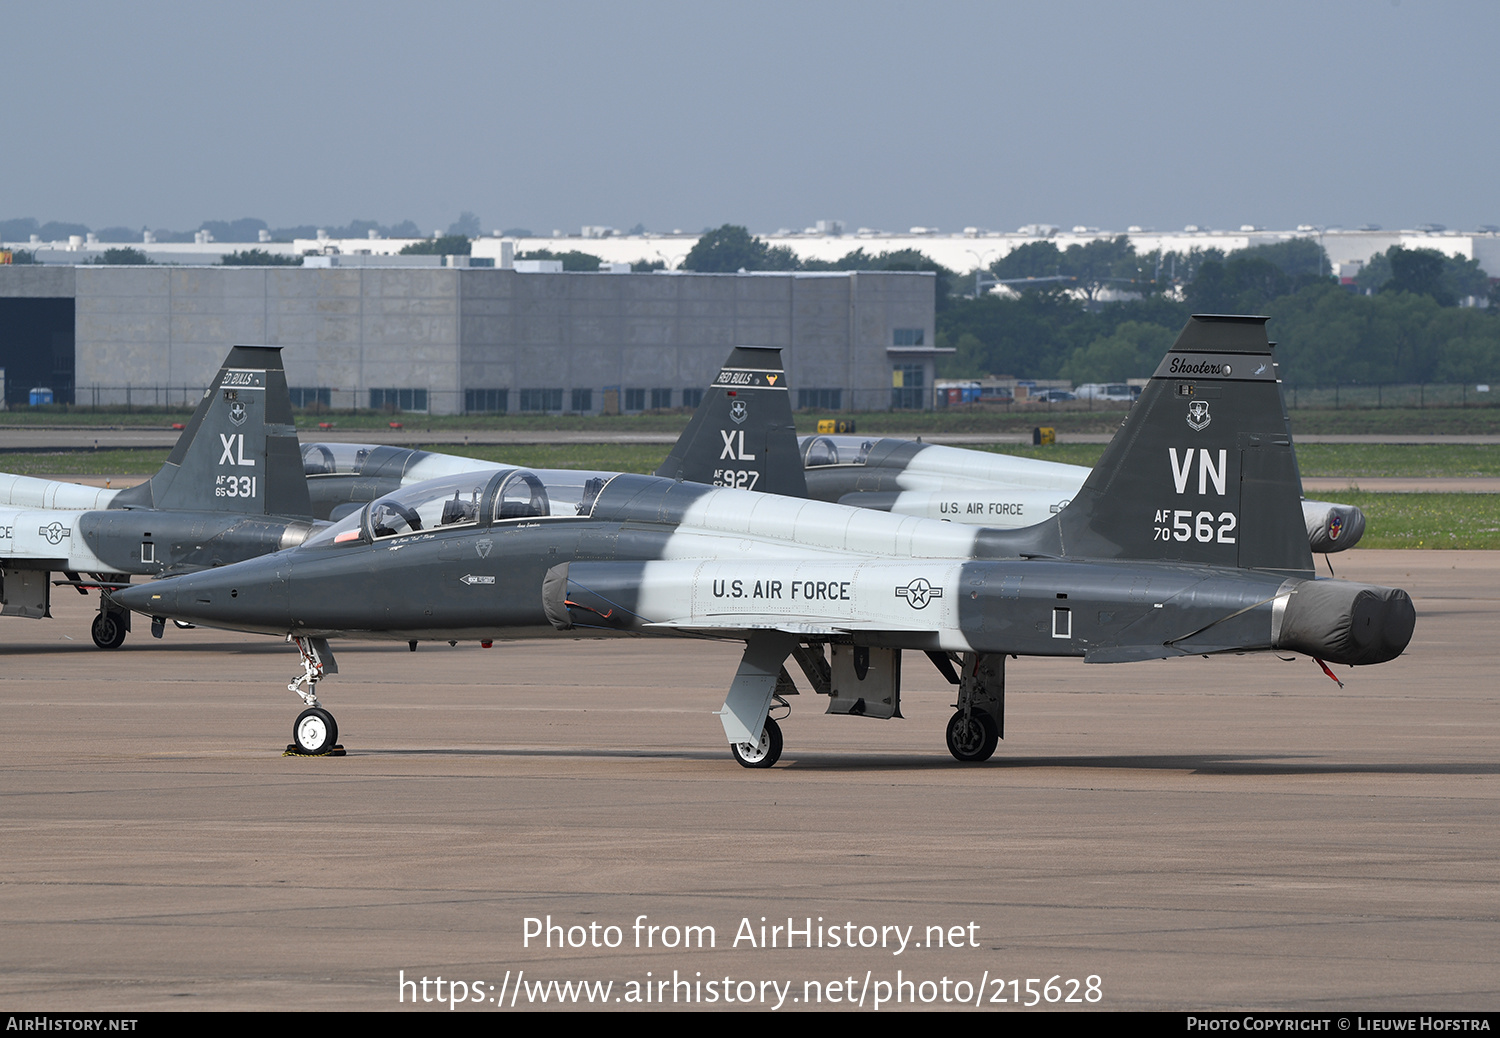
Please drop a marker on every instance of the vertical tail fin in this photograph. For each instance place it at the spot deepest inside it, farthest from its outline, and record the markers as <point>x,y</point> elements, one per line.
<point>239,451</point>
<point>1202,470</point>
<point>742,433</point>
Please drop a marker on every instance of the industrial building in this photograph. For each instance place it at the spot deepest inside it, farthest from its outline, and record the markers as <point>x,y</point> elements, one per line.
<point>970,249</point>
<point>449,340</point>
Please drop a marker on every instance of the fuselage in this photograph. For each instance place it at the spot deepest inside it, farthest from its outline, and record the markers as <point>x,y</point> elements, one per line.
<point>642,554</point>
<point>140,541</point>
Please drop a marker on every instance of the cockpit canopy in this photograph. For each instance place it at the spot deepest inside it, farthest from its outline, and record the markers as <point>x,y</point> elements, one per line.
<point>329,459</point>
<point>818,451</point>
<point>470,499</point>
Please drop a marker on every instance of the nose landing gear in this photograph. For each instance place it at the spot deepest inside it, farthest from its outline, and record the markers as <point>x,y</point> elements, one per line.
<point>315,733</point>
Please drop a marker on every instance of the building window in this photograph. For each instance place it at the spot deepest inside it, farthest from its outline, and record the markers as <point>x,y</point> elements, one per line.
<point>661,399</point>
<point>398,399</point>
<point>635,399</point>
<point>909,336</point>
<point>486,401</point>
<point>692,397</point>
<point>907,386</point>
<point>583,400</point>
<point>541,399</point>
<point>311,396</point>
<point>822,399</point>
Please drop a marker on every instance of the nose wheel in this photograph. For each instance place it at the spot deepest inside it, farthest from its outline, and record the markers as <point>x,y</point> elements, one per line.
<point>314,734</point>
<point>762,754</point>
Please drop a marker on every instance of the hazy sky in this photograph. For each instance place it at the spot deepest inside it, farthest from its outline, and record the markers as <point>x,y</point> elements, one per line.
<point>545,114</point>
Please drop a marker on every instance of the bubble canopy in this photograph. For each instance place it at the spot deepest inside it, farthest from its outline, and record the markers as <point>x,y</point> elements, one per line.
<point>836,450</point>
<point>470,499</point>
<point>327,459</point>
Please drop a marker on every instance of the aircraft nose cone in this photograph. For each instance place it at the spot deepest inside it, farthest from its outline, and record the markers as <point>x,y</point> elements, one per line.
<point>249,596</point>
<point>158,598</point>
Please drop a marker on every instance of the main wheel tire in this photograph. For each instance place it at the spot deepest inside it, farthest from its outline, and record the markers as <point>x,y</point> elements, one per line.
<point>973,736</point>
<point>108,630</point>
<point>763,754</point>
<point>315,731</point>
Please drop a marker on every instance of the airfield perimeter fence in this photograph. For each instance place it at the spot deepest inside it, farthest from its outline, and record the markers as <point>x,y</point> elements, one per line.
<point>1337,396</point>
<point>1392,394</point>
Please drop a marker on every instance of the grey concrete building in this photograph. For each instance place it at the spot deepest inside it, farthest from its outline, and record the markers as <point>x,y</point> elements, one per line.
<point>449,340</point>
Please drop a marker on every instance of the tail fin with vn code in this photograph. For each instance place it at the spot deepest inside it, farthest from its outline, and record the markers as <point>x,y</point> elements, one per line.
<point>1202,470</point>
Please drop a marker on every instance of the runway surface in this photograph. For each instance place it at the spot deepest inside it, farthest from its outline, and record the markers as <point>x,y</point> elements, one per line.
<point>1192,834</point>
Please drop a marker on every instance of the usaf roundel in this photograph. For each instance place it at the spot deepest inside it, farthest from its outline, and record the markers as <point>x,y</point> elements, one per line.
<point>738,411</point>
<point>919,592</point>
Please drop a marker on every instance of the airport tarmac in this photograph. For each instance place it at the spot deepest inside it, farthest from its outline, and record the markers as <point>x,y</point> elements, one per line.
<point>1203,834</point>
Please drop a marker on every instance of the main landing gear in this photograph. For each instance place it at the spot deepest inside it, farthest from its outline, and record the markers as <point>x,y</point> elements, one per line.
<point>863,681</point>
<point>109,629</point>
<point>979,725</point>
<point>762,754</point>
<point>973,736</point>
<point>112,623</point>
<point>315,733</point>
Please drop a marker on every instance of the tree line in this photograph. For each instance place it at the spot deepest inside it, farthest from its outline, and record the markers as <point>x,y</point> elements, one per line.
<point>1102,312</point>
<point>1400,322</point>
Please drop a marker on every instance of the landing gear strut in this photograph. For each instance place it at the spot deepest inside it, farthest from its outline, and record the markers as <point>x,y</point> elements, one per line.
<point>755,739</point>
<point>112,624</point>
<point>315,733</point>
<point>978,726</point>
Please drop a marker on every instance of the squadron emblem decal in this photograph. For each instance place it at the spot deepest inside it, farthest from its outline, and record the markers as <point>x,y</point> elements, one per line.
<point>483,546</point>
<point>1198,416</point>
<point>919,592</point>
<point>237,412</point>
<point>738,411</point>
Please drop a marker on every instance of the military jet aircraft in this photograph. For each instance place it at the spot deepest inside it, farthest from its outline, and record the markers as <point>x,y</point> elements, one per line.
<point>1187,538</point>
<point>231,489</point>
